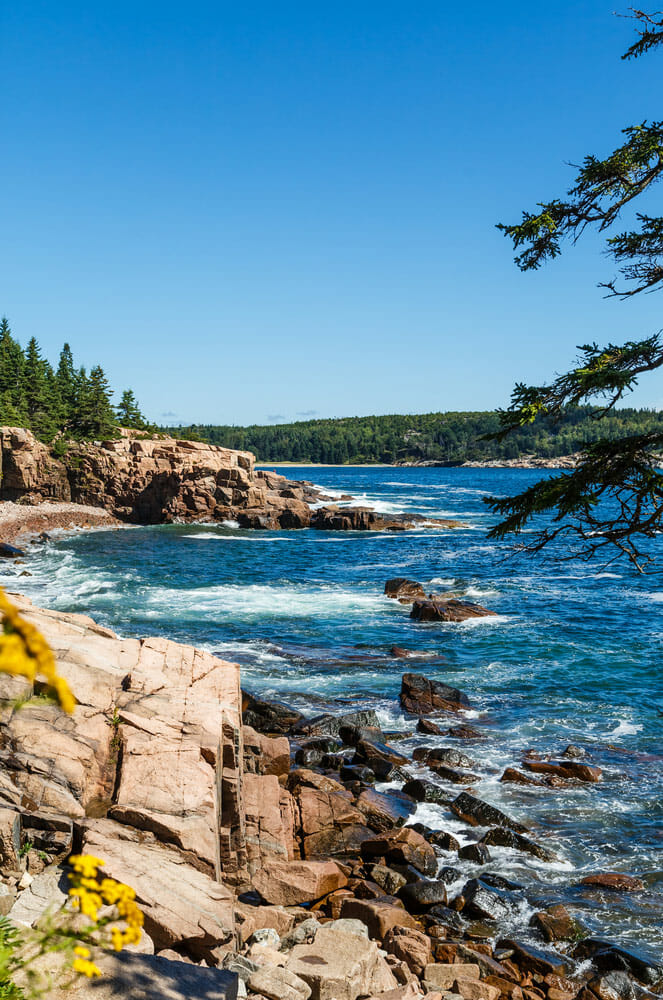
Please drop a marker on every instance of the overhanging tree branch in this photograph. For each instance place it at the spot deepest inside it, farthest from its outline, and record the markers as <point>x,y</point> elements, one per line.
<point>614,498</point>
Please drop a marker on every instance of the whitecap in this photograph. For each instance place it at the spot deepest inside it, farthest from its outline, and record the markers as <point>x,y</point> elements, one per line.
<point>625,728</point>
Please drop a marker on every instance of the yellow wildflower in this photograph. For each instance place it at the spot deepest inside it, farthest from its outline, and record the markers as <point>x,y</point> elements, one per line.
<point>25,653</point>
<point>86,967</point>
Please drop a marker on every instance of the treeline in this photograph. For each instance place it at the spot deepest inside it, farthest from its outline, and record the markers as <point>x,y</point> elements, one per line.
<point>65,400</point>
<point>435,437</point>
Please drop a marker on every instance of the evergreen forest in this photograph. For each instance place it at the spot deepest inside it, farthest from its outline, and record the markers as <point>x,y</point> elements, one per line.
<point>62,402</point>
<point>434,437</point>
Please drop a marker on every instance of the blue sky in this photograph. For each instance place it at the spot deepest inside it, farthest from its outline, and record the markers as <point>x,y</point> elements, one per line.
<point>257,211</point>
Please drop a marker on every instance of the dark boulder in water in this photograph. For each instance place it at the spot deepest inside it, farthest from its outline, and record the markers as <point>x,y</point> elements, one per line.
<point>452,775</point>
<point>538,961</point>
<point>451,610</point>
<point>384,812</point>
<point>431,728</point>
<point>500,836</point>
<point>422,696</point>
<point>8,551</point>
<point>568,769</point>
<point>420,896</point>
<point>477,853</point>
<point>445,841</point>
<point>403,590</point>
<point>268,716</point>
<point>426,791</point>
<point>609,957</point>
<point>330,725</point>
<point>443,755</point>
<point>482,900</point>
<point>380,757</point>
<point>476,812</point>
<point>466,732</point>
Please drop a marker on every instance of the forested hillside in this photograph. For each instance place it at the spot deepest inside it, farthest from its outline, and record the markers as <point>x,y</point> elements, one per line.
<point>440,437</point>
<point>65,399</point>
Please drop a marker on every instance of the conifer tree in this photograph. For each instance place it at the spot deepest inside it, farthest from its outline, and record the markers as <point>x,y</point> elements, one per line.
<point>94,416</point>
<point>614,498</point>
<point>128,412</point>
<point>41,402</point>
<point>12,363</point>
<point>67,382</point>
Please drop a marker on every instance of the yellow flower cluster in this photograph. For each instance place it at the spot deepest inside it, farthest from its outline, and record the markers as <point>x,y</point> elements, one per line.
<point>89,893</point>
<point>83,964</point>
<point>25,653</point>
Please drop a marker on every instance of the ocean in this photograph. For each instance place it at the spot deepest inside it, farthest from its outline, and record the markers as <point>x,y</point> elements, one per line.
<point>573,656</point>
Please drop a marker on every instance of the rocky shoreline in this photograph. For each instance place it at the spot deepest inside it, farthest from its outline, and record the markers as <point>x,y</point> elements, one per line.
<point>267,853</point>
<point>524,462</point>
<point>137,479</point>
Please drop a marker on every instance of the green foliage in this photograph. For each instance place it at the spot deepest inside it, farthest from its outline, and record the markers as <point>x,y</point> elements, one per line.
<point>128,412</point>
<point>614,497</point>
<point>61,404</point>
<point>10,943</point>
<point>435,437</point>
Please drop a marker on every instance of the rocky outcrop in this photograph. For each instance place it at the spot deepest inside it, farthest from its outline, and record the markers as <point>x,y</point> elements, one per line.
<point>153,480</point>
<point>160,479</point>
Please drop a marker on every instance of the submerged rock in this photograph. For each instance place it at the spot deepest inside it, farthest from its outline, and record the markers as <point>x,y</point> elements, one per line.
<point>614,881</point>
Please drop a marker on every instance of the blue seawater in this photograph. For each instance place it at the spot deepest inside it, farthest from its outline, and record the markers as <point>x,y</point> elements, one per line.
<point>574,655</point>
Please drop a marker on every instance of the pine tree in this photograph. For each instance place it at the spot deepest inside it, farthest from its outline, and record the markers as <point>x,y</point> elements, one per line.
<point>67,382</point>
<point>614,497</point>
<point>41,403</point>
<point>12,363</point>
<point>94,415</point>
<point>128,412</point>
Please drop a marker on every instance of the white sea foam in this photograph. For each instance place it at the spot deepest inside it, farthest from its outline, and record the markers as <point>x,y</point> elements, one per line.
<point>481,592</point>
<point>625,728</point>
<point>206,536</point>
<point>259,600</point>
<point>657,598</point>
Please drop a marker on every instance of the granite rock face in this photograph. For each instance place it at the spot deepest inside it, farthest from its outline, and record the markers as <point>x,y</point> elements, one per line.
<point>154,745</point>
<point>153,480</point>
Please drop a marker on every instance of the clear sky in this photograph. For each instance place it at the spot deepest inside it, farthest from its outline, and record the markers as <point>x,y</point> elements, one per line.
<point>265,210</point>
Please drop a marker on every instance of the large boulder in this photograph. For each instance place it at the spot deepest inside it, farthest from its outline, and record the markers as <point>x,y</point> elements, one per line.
<point>422,696</point>
<point>451,610</point>
<point>182,906</point>
<point>341,966</point>
<point>476,812</point>
<point>330,824</point>
<point>403,590</point>
<point>291,883</point>
<point>404,847</point>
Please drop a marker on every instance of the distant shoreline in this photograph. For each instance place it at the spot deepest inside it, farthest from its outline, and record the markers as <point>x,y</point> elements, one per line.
<point>563,462</point>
